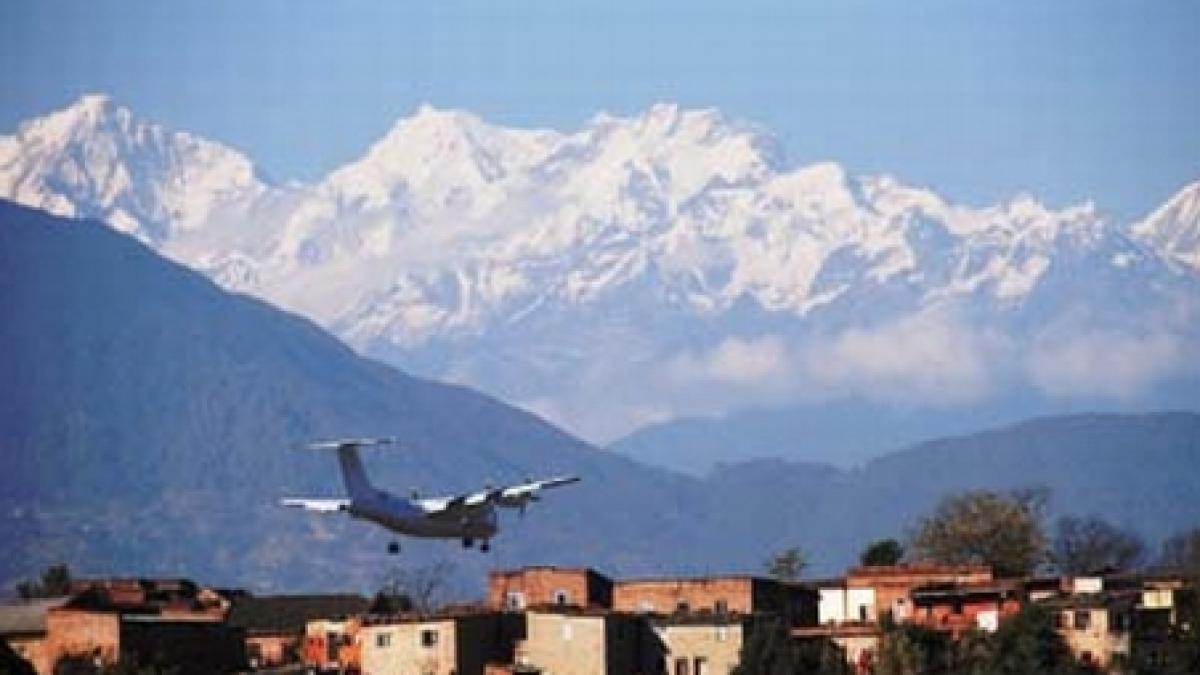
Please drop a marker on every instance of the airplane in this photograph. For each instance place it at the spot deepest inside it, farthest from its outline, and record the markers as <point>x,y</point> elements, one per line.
<point>468,517</point>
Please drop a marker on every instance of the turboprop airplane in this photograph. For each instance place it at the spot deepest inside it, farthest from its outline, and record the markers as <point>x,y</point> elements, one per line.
<point>468,517</point>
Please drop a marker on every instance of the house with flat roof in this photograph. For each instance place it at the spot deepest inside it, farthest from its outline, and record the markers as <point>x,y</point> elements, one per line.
<point>541,586</point>
<point>275,625</point>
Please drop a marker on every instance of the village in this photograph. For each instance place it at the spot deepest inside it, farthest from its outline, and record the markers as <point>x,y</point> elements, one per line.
<point>577,621</point>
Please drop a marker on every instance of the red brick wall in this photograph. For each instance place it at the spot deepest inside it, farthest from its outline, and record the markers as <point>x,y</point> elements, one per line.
<point>664,596</point>
<point>82,633</point>
<point>540,584</point>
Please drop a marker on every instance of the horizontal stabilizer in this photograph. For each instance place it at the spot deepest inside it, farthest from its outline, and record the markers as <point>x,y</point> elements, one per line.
<point>318,505</point>
<point>339,443</point>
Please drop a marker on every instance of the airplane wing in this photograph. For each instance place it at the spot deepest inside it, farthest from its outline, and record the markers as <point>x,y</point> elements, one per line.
<point>518,496</point>
<point>318,505</point>
<point>515,496</point>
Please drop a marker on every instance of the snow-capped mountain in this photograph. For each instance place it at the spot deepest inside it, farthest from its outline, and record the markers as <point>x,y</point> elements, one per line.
<point>95,159</point>
<point>648,266</point>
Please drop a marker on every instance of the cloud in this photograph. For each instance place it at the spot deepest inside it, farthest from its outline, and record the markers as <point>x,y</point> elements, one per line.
<point>1103,363</point>
<point>929,358</point>
<point>753,363</point>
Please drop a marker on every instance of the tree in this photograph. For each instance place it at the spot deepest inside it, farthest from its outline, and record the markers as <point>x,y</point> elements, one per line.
<point>882,552</point>
<point>55,582</point>
<point>420,588</point>
<point>1090,545</point>
<point>1182,552</point>
<point>769,649</point>
<point>1002,530</point>
<point>909,649</point>
<point>1027,644</point>
<point>788,564</point>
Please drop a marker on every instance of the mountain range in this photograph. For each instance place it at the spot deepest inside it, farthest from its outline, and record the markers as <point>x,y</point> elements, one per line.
<point>661,267</point>
<point>148,419</point>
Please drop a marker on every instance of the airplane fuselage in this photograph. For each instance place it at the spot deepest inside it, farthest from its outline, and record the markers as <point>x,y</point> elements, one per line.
<point>406,517</point>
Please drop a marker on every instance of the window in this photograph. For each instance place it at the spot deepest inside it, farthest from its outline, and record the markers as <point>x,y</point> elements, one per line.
<point>722,633</point>
<point>1082,619</point>
<point>721,606</point>
<point>514,600</point>
<point>383,640</point>
<point>681,667</point>
<point>562,597</point>
<point>682,607</point>
<point>429,637</point>
<point>700,666</point>
<point>862,613</point>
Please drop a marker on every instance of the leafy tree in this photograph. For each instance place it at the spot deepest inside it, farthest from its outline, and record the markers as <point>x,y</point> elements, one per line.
<point>770,650</point>
<point>909,649</point>
<point>1182,552</point>
<point>1088,545</point>
<point>788,564</point>
<point>1027,644</point>
<point>55,582</point>
<point>1002,530</point>
<point>882,552</point>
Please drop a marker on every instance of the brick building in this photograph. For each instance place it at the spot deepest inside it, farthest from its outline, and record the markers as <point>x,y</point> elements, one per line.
<point>275,626</point>
<point>964,607</point>
<point>893,584</point>
<point>544,586</point>
<point>796,604</point>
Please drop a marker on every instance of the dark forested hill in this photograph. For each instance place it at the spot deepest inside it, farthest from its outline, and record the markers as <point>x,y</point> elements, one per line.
<point>146,418</point>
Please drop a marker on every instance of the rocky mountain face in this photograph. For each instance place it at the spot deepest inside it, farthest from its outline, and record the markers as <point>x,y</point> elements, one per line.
<point>645,268</point>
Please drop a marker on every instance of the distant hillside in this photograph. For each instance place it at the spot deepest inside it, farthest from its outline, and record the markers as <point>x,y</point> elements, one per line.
<point>146,416</point>
<point>1140,471</point>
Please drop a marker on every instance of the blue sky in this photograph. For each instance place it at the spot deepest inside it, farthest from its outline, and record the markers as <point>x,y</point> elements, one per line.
<point>1067,99</point>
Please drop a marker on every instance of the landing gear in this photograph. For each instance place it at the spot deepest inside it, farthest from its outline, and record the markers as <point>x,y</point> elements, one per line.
<point>468,542</point>
<point>393,548</point>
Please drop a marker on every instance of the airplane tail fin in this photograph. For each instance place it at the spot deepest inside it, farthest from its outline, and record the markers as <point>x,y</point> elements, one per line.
<point>353,474</point>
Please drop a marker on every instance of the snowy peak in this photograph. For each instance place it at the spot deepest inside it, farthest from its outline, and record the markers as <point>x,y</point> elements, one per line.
<point>1173,230</point>
<point>455,159</point>
<point>95,158</point>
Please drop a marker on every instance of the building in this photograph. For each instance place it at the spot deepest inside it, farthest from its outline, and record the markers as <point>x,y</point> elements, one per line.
<point>106,629</point>
<point>332,645</point>
<point>1096,626</point>
<point>959,608</point>
<point>23,629</point>
<point>701,644</point>
<point>795,604</point>
<point>839,603</point>
<point>544,586</point>
<point>275,626</point>
<point>438,644</point>
<point>893,584</point>
<point>565,641</point>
